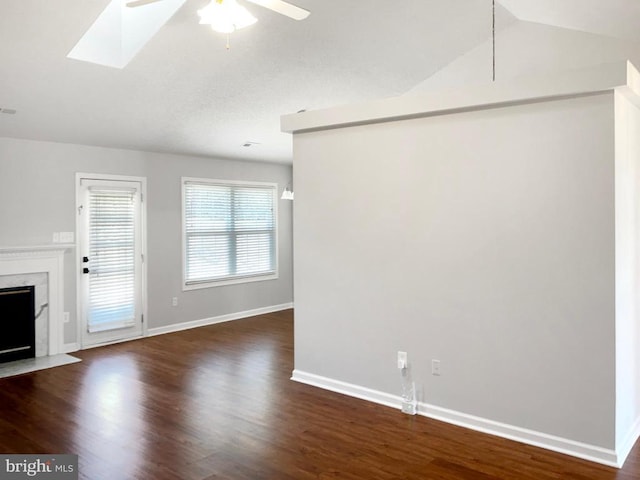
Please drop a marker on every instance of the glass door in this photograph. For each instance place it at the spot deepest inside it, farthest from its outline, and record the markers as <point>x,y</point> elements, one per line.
<point>111,249</point>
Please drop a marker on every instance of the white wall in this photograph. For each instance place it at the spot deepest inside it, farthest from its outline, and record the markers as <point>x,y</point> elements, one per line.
<point>37,198</point>
<point>529,48</point>
<point>483,239</point>
<point>627,179</point>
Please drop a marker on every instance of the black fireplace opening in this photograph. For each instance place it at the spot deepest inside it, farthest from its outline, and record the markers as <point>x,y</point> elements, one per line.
<point>17,323</point>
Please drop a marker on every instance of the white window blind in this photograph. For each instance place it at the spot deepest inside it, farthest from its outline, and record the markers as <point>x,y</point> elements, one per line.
<point>230,231</point>
<point>112,259</point>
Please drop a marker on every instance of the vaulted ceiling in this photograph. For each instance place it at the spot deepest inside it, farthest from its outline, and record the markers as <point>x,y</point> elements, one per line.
<point>184,92</point>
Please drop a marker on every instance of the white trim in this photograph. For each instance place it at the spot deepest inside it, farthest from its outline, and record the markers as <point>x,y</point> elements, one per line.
<point>627,444</point>
<point>345,388</point>
<point>36,250</point>
<point>112,341</point>
<point>229,280</point>
<point>47,259</point>
<point>240,183</point>
<point>143,245</point>
<point>566,446</point>
<point>530,437</point>
<point>107,176</point>
<point>70,347</point>
<point>571,83</point>
<point>177,327</point>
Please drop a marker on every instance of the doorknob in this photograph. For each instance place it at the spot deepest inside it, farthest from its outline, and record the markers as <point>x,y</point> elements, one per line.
<point>85,270</point>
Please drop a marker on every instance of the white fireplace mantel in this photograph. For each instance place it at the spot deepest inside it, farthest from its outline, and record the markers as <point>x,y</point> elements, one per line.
<point>47,259</point>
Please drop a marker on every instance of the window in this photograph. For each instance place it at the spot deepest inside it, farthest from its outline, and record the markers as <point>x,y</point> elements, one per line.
<point>112,253</point>
<point>229,232</point>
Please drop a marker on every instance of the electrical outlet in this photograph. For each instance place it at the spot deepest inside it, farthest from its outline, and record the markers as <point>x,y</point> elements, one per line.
<point>174,301</point>
<point>56,237</point>
<point>435,367</point>
<point>402,360</point>
<point>66,317</point>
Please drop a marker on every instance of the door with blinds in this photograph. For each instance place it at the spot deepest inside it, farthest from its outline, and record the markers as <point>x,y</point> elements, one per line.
<point>110,235</point>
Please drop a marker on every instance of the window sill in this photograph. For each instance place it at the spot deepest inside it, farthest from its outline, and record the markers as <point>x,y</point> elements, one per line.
<point>231,281</point>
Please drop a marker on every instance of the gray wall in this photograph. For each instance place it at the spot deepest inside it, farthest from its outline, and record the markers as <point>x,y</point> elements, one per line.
<point>483,239</point>
<point>37,194</point>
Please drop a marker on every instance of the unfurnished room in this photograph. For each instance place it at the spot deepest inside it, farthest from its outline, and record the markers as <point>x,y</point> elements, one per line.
<point>304,239</point>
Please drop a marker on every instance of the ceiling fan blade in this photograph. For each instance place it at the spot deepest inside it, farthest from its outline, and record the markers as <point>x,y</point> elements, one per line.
<point>284,8</point>
<point>139,3</point>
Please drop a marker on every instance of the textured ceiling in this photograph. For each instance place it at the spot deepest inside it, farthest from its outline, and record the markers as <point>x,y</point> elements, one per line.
<point>185,93</point>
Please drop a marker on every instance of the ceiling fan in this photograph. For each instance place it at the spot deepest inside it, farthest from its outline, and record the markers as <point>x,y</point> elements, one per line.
<point>279,6</point>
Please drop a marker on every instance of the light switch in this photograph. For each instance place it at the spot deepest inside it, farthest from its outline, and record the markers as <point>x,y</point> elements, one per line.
<point>67,237</point>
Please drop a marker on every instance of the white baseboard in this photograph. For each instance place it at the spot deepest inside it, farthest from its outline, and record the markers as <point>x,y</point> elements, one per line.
<point>346,388</point>
<point>550,442</point>
<point>523,435</point>
<point>625,448</point>
<point>177,327</point>
<point>70,347</point>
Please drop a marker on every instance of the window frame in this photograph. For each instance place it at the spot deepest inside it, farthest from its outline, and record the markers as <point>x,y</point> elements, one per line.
<point>230,280</point>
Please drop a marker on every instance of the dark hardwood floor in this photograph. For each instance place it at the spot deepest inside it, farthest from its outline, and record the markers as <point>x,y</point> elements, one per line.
<point>217,403</point>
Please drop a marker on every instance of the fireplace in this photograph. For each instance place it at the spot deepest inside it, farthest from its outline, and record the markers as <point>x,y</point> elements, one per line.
<point>41,266</point>
<point>17,323</point>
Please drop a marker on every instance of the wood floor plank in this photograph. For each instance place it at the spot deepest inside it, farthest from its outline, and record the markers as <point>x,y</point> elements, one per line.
<point>216,403</point>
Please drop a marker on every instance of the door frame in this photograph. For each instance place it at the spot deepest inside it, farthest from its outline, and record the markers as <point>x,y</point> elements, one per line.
<point>143,246</point>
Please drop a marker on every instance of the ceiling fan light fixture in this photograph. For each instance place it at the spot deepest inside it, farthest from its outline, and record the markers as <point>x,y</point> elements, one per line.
<point>226,16</point>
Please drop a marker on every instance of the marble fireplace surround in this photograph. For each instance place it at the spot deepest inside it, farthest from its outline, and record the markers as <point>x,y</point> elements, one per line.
<point>48,259</point>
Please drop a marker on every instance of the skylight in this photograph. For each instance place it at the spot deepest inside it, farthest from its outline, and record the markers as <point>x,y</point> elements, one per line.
<point>120,32</point>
